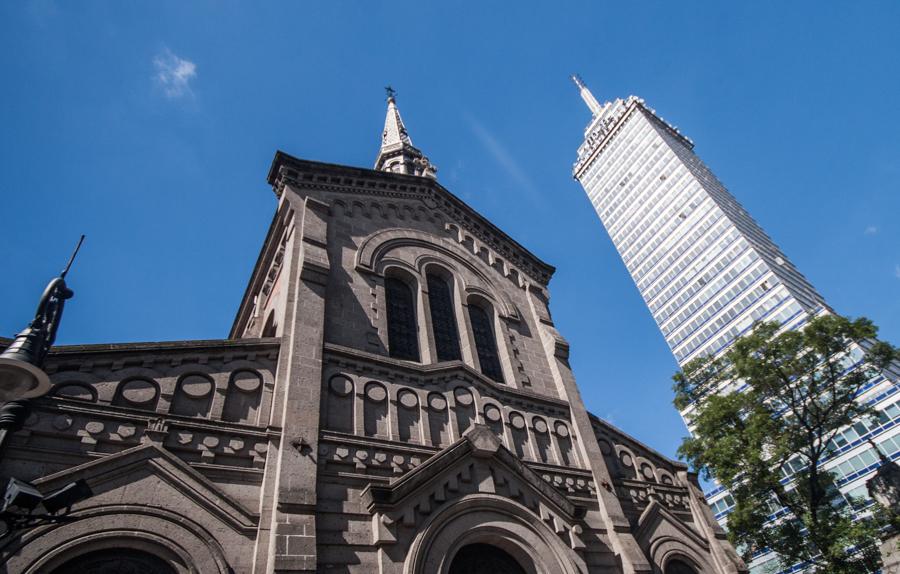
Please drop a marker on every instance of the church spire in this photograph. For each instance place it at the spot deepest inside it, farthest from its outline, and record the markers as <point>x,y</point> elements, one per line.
<point>587,96</point>
<point>397,153</point>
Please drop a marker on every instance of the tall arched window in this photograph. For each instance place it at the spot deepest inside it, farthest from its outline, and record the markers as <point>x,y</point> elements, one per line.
<point>443,320</point>
<point>403,340</point>
<point>485,344</point>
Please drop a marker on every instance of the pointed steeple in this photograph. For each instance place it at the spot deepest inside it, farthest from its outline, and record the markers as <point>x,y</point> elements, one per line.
<point>587,96</point>
<point>397,153</point>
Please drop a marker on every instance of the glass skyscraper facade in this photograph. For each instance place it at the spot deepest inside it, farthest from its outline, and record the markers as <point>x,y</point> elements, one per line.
<point>706,270</point>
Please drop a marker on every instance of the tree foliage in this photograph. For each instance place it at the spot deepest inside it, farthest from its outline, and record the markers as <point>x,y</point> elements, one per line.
<point>780,397</point>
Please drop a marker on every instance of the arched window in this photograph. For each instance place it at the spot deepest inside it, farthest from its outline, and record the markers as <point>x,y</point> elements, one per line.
<point>403,340</point>
<point>443,320</point>
<point>485,344</point>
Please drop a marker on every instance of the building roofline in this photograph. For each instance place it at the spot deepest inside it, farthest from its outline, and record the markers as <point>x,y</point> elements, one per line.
<point>284,159</point>
<point>615,125</point>
<point>62,351</point>
<point>676,463</point>
<point>254,274</point>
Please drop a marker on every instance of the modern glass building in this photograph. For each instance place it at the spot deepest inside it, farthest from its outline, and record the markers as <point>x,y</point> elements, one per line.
<point>706,270</point>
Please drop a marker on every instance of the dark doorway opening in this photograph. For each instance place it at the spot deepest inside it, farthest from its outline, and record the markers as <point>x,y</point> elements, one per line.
<point>679,567</point>
<point>484,559</point>
<point>116,561</point>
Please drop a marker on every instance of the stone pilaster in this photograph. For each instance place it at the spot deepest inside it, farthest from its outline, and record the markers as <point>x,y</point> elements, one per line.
<point>292,545</point>
<point>614,520</point>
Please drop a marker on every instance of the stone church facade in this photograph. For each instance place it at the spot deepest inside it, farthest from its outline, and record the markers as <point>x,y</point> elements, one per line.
<point>393,398</point>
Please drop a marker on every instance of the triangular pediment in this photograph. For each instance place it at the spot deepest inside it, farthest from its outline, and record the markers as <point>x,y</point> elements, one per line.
<point>657,521</point>
<point>475,464</point>
<point>121,469</point>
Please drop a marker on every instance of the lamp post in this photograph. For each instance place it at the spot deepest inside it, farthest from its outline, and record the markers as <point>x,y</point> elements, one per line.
<point>22,378</point>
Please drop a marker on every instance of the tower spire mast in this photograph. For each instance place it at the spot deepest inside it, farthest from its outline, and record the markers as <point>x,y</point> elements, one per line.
<point>587,96</point>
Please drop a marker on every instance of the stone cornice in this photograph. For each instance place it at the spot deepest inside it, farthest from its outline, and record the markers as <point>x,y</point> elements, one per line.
<point>121,355</point>
<point>61,351</point>
<point>305,174</point>
<point>420,373</point>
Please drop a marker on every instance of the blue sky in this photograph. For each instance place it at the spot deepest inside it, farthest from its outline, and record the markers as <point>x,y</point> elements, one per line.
<point>150,127</point>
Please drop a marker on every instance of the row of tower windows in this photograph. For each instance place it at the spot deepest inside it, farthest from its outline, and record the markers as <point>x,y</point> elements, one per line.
<point>403,332</point>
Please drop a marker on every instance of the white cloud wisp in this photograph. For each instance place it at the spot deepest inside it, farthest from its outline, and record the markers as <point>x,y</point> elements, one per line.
<point>174,74</point>
<point>505,159</point>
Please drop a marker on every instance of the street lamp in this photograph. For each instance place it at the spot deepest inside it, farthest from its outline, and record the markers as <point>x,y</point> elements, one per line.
<point>22,378</point>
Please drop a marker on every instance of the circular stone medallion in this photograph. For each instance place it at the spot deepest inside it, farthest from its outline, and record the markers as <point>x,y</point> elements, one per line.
<point>246,381</point>
<point>562,430</point>
<point>437,402</point>
<point>409,399</point>
<point>196,386</point>
<point>605,447</point>
<point>492,413</point>
<point>139,391</point>
<point>77,392</point>
<point>540,426</point>
<point>463,396</point>
<point>126,430</point>
<point>376,393</point>
<point>62,422</point>
<point>517,421</point>
<point>341,386</point>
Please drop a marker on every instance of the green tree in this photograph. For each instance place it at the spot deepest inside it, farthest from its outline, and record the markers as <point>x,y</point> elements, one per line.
<point>775,398</point>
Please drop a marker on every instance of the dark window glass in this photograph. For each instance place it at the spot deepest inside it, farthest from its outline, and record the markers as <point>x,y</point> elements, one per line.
<point>443,321</point>
<point>401,316</point>
<point>483,332</point>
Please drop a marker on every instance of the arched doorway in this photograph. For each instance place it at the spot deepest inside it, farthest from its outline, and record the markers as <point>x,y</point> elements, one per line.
<point>484,559</point>
<point>116,561</point>
<point>677,566</point>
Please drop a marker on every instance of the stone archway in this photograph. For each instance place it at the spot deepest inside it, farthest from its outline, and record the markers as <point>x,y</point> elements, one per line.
<point>492,525</point>
<point>479,558</point>
<point>116,561</point>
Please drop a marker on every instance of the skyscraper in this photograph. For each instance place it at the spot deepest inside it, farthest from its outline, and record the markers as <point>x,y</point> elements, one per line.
<point>706,270</point>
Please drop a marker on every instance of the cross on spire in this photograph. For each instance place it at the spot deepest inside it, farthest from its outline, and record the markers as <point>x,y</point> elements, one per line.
<point>397,153</point>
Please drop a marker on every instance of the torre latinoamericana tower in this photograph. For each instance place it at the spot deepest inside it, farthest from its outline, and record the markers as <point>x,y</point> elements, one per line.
<point>705,269</point>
